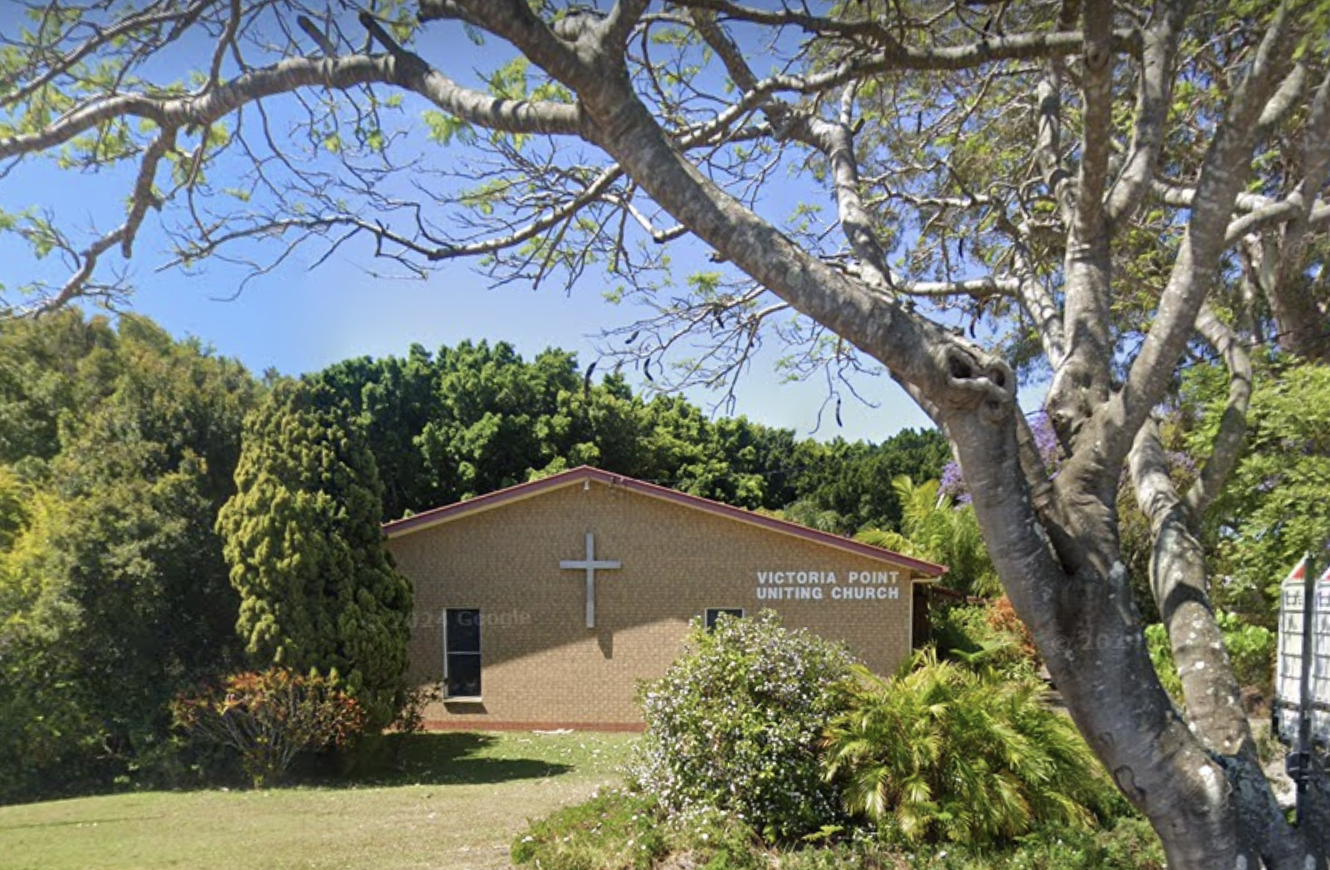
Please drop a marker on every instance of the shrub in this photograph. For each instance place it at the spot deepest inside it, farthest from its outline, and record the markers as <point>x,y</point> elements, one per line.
<point>269,717</point>
<point>944,753</point>
<point>1251,649</point>
<point>410,717</point>
<point>1161,656</point>
<point>618,830</point>
<point>986,635</point>
<point>989,632</point>
<point>623,831</point>
<point>612,831</point>
<point>1128,845</point>
<point>1002,619</point>
<point>735,726</point>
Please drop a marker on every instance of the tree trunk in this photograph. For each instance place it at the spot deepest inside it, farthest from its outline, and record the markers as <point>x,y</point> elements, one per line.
<point>1210,809</point>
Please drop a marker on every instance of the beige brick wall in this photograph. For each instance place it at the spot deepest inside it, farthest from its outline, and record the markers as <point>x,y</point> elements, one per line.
<point>541,664</point>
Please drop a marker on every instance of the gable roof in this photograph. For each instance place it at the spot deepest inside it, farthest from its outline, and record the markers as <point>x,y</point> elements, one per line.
<point>587,474</point>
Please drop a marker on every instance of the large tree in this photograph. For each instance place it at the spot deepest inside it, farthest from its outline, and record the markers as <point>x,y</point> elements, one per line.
<point>1077,189</point>
<point>114,594</point>
<point>318,591</point>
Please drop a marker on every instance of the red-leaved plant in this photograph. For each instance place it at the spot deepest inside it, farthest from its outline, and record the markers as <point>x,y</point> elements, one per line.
<point>269,717</point>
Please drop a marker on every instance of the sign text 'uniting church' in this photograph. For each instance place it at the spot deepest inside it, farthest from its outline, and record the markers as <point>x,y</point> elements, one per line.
<point>821,585</point>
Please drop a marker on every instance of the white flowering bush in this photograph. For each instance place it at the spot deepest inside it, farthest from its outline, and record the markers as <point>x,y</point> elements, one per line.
<point>736,726</point>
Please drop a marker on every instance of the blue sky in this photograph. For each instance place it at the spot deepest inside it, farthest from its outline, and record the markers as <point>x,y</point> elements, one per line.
<point>299,319</point>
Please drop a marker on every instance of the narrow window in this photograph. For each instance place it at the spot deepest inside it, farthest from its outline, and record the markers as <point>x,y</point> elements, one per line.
<point>714,612</point>
<point>461,653</point>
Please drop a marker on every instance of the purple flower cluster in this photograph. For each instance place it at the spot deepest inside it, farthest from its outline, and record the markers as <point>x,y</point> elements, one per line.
<point>1181,461</point>
<point>1045,440</point>
<point>953,483</point>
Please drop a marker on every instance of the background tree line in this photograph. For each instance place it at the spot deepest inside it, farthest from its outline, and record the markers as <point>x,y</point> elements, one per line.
<point>471,419</point>
<point>120,445</point>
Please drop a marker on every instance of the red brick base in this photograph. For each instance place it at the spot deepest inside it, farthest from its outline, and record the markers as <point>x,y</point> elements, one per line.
<point>604,727</point>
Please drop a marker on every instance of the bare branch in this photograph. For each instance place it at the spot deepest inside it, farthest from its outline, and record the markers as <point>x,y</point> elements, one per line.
<point>143,196</point>
<point>515,21</point>
<point>313,32</point>
<point>1154,95</point>
<point>145,19</point>
<point>1194,269</point>
<point>619,24</point>
<point>78,283</point>
<point>225,43</point>
<point>405,70</point>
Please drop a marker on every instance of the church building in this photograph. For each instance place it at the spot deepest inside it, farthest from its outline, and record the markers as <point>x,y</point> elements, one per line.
<point>546,604</point>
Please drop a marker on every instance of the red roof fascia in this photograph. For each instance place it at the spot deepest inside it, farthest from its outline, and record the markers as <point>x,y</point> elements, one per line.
<point>398,528</point>
<point>489,500</point>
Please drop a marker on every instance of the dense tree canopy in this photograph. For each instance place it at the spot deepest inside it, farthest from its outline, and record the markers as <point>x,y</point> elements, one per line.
<point>1275,509</point>
<point>474,418</point>
<point>1079,189</point>
<point>113,591</point>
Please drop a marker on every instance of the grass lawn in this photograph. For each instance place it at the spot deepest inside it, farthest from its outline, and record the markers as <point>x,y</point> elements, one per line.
<point>458,801</point>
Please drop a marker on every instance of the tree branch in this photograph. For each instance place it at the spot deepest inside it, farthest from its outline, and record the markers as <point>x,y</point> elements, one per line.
<point>515,21</point>
<point>1083,380</point>
<point>1154,95</point>
<point>1097,93</point>
<point>77,284</point>
<point>975,288</point>
<point>1295,309</point>
<point>619,24</point>
<point>833,139</point>
<point>143,196</point>
<point>1287,98</point>
<point>1232,433</point>
<point>404,70</point>
<point>103,36</point>
<point>1222,177</point>
<point>1181,590</point>
<point>898,55</point>
<point>1173,193</point>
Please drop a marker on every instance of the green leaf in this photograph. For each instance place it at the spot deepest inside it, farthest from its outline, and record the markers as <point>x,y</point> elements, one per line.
<point>443,128</point>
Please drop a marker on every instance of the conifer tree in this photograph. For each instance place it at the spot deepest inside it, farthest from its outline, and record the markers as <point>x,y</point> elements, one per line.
<point>318,590</point>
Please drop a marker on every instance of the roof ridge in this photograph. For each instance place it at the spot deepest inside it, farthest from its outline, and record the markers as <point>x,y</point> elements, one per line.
<point>587,473</point>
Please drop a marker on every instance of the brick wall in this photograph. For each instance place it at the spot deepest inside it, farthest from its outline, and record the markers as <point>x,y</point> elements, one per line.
<point>541,664</point>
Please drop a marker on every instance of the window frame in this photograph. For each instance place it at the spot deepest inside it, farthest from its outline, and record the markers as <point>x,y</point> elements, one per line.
<point>448,654</point>
<point>711,614</point>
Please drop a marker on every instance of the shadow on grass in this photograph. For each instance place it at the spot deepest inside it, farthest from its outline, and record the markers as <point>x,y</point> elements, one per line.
<point>447,758</point>
<point>78,822</point>
<point>430,758</point>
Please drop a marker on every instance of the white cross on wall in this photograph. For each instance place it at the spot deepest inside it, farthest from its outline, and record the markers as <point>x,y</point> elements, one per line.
<point>590,565</point>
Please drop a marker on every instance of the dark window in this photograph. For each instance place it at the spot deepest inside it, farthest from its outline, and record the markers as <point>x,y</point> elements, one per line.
<point>461,654</point>
<point>714,612</point>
